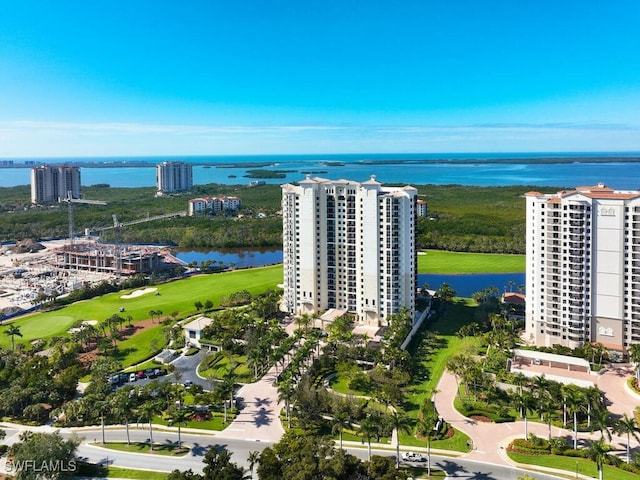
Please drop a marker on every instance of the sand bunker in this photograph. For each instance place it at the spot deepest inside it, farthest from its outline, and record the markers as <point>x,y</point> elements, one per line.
<point>138,293</point>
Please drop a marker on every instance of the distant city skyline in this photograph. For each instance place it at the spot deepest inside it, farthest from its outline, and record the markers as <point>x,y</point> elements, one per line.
<point>240,78</point>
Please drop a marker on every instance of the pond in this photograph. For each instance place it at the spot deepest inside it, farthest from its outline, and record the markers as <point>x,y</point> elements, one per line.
<point>467,285</point>
<point>464,285</point>
<point>239,258</point>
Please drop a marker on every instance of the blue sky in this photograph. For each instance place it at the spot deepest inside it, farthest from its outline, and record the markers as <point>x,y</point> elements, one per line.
<point>249,77</point>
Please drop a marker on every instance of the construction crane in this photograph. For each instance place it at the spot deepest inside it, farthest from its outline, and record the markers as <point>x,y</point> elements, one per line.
<point>70,201</point>
<point>117,224</point>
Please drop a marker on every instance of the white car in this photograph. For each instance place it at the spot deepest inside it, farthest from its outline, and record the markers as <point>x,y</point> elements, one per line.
<point>413,457</point>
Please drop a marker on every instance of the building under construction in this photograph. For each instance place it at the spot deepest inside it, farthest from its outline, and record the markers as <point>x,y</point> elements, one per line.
<point>114,259</point>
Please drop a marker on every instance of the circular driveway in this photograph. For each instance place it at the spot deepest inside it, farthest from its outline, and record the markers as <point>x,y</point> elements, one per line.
<point>188,368</point>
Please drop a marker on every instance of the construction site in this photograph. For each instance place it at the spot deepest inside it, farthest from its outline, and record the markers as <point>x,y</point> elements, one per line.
<point>29,278</point>
<point>32,272</point>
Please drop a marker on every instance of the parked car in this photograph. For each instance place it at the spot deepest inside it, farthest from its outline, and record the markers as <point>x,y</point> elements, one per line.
<point>188,383</point>
<point>150,373</point>
<point>124,377</point>
<point>158,373</point>
<point>413,457</point>
<point>115,379</point>
<point>133,377</point>
<point>141,375</point>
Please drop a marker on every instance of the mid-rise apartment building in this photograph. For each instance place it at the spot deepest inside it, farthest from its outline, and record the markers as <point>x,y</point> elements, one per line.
<point>349,246</point>
<point>212,205</point>
<point>174,177</point>
<point>52,183</point>
<point>583,267</point>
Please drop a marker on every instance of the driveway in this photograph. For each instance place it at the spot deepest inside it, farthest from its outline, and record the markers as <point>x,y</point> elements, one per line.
<point>188,368</point>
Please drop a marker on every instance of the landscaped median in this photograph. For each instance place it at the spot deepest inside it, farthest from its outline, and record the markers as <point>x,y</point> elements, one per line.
<point>538,452</point>
<point>172,450</point>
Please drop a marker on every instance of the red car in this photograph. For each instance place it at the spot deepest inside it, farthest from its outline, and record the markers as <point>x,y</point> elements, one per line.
<point>141,375</point>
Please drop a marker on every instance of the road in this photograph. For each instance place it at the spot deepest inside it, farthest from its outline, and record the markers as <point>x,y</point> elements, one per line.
<point>200,443</point>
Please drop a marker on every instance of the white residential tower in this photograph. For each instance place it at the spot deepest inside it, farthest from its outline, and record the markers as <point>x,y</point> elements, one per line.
<point>583,267</point>
<point>52,183</point>
<point>349,246</point>
<point>173,177</point>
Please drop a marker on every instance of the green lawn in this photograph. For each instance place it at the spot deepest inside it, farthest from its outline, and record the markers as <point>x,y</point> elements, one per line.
<point>584,466</point>
<point>221,366</point>
<point>175,296</point>
<point>141,447</point>
<point>438,261</point>
<point>216,422</point>
<point>117,472</point>
<point>434,355</point>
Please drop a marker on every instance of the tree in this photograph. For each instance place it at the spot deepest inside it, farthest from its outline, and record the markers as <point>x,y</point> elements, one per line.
<point>285,393</point>
<point>122,404</point>
<point>426,425</point>
<point>573,400</point>
<point>198,305</point>
<point>178,416</point>
<point>598,452</point>
<point>445,293</point>
<point>218,466</point>
<point>629,426</point>
<point>12,331</point>
<point>253,459</point>
<point>523,403</point>
<point>38,449</point>
<point>369,427</point>
<point>634,356</point>
<point>340,420</point>
<point>399,423</point>
<point>147,411</point>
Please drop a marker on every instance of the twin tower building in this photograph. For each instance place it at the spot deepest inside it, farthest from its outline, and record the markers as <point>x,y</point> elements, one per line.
<point>349,247</point>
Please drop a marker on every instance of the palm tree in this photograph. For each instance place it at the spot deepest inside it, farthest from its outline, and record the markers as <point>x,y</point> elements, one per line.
<point>593,398</point>
<point>147,411</point>
<point>285,392</point>
<point>12,331</point>
<point>426,425</point>
<point>600,420</point>
<point>102,406</point>
<point>540,387</point>
<point>253,459</point>
<point>549,407</point>
<point>178,416</point>
<point>634,356</point>
<point>523,403</point>
<point>122,405</point>
<point>573,400</point>
<point>340,420</point>
<point>399,423</point>
<point>597,452</point>
<point>369,428</point>
<point>629,426</point>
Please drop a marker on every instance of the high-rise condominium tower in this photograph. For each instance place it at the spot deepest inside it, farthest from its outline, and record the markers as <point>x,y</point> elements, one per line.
<point>583,267</point>
<point>52,183</point>
<point>173,177</point>
<point>349,246</point>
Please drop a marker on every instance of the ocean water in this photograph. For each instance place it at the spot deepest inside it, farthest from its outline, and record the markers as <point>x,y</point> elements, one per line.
<point>418,169</point>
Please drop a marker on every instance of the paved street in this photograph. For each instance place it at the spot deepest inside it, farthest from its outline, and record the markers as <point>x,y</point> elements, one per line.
<point>258,425</point>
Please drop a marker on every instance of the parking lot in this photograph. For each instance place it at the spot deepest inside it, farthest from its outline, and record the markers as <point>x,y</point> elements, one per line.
<point>187,367</point>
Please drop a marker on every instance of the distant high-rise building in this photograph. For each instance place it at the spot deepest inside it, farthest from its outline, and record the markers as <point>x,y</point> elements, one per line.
<point>52,183</point>
<point>583,267</point>
<point>349,246</point>
<point>174,177</point>
<point>421,208</point>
